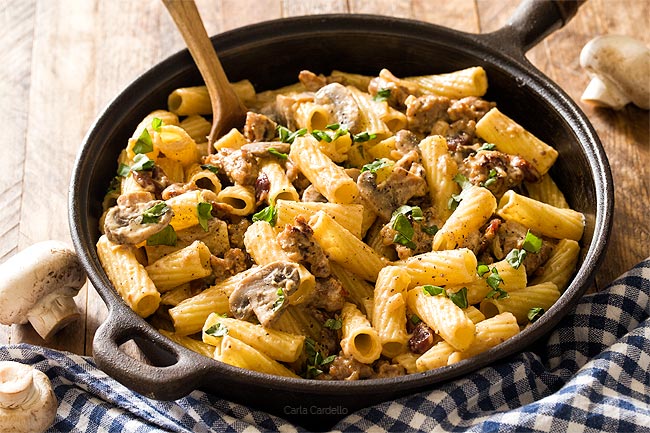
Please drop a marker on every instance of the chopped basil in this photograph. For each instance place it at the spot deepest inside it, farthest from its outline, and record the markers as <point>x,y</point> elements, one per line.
<point>333,126</point>
<point>535,313</point>
<point>115,185</point>
<point>217,330</point>
<point>430,230</point>
<point>204,212</point>
<point>280,301</point>
<point>487,146</point>
<point>166,236</point>
<point>376,165</point>
<point>333,324</point>
<point>156,123</point>
<point>532,243</point>
<point>123,170</point>
<point>268,214</point>
<point>453,202</point>
<point>404,229</point>
<point>433,290</point>
<point>155,212</point>
<point>491,180</point>
<point>213,168</point>
<point>321,135</point>
<point>315,360</point>
<point>382,95</point>
<point>363,136</point>
<point>141,162</point>
<point>462,181</point>
<point>280,155</point>
<point>286,136</point>
<point>482,269</point>
<point>497,294</point>
<point>460,298</point>
<point>494,279</point>
<point>516,257</point>
<point>144,143</point>
<point>415,319</point>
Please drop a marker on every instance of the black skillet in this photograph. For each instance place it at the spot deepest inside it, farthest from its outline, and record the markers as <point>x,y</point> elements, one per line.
<point>271,54</point>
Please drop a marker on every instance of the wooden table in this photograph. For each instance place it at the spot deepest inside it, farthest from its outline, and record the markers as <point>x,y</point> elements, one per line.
<point>63,60</point>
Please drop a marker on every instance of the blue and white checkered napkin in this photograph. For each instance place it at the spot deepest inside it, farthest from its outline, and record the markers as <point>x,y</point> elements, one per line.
<point>594,376</point>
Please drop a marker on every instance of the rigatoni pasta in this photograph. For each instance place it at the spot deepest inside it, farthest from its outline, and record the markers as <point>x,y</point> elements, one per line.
<point>355,226</point>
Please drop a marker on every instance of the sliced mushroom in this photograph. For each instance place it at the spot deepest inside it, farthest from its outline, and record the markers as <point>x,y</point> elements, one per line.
<point>344,107</point>
<point>27,401</point>
<point>124,223</point>
<point>397,189</point>
<point>264,293</point>
<point>259,127</point>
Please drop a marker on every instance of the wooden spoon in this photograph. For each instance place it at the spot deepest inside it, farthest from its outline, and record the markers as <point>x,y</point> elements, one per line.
<point>227,109</point>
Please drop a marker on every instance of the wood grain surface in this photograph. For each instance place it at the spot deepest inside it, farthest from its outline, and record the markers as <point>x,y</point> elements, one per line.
<point>62,61</point>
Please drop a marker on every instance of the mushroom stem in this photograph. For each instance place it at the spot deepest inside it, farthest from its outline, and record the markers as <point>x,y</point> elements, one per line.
<point>27,401</point>
<point>601,94</point>
<point>53,313</point>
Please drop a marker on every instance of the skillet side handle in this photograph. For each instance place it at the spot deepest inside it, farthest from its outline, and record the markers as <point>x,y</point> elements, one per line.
<point>532,21</point>
<point>174,374</point>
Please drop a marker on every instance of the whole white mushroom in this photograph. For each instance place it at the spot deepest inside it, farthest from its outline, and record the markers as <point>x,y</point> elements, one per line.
<point>38,284</point>
<point>27,401</point>
<point>620,71</point>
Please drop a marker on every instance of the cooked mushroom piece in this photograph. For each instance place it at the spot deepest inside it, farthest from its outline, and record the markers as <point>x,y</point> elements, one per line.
<point>38,285</point>
<point>264,294</point>
<point>27,401</point>
<point>406,181</point>
<point>344,108</point>
<point>124,223</point>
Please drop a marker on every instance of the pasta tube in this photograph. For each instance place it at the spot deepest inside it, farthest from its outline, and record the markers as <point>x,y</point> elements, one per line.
<point>359,339</point>
<point>389,310</point>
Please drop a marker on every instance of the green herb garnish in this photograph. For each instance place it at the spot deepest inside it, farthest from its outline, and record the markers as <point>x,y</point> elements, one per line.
<point>166,236</point>
<point>532,243</point>
<point>213,168</point>
<point>279,302</point>
<point>415,319</point>
<point>382,95</point>
<point>156,123</point>
<point>481,269</point>
<point>217,330</point>
<point>286,136</point>
<point>280,155</point>
<point>141,162</point>
<point>491,180</point>
<point>487,146</point>
<point>363,136</point>
<point>144,144</point>
<point>204,212</point>
<point>123,170</point>
<point>321,135</point>
<point>155,212</point>
<point>459,298</point>
<point>315,360</point>
<point>433,290</point>
<point>268,214</point>
<point>376,165</point>
<point>494,279</point>
<point>535,313</point>
<point>516,257</point>
<point>333,324</point>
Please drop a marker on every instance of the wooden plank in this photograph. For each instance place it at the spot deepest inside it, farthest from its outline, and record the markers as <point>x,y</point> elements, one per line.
<point>293,8</point>
<point>459,15</point>
<point>14,105</point>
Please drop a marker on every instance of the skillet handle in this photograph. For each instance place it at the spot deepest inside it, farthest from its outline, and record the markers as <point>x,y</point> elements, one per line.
<point>532,21</point>
<point>174,375</point>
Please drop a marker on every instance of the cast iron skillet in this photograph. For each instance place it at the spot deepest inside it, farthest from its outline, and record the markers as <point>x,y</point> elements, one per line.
<point>271,54</point>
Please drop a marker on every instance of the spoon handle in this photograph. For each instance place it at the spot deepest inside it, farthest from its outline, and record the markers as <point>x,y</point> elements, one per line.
<point>226,105</point>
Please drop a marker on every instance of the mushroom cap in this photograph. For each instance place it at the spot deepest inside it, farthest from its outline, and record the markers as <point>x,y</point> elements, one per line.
<point>35,272</point>
<point>622,66</point>
<point>27,401</point>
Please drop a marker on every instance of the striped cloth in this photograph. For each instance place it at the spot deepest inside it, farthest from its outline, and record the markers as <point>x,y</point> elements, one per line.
<point>593,375</point>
